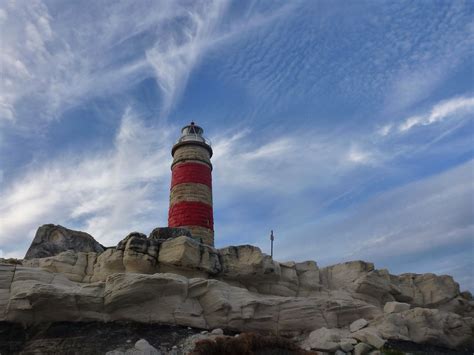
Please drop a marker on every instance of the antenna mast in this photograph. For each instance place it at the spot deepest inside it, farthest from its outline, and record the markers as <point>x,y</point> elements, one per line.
<point>272,238</point>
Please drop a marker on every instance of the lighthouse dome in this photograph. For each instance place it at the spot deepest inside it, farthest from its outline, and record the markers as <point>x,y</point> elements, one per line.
<point>192,134</point>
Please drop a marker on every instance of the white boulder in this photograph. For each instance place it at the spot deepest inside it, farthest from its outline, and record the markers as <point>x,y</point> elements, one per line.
<point>358,324</point>
<point>395,307</point>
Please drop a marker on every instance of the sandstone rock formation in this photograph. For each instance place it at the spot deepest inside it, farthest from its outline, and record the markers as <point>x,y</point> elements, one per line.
<point>53,239</point>
<point>345,307</point>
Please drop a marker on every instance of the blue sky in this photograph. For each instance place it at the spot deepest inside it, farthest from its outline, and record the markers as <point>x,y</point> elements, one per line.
<point>346,127</point>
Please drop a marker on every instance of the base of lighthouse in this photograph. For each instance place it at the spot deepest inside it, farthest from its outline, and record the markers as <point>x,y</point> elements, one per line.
<point>205,235</point>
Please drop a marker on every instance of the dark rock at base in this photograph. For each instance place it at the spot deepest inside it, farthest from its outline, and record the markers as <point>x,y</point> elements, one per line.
<point>99,338</point>
<point>401,347</point>
<point>163,233</point>
<point>86,337</point>
<point>53,239</point>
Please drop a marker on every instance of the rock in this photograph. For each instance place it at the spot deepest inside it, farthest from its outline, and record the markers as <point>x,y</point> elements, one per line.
<point>108,263</point>
<point>340,352</point>
<point>77,267</point>
<point>7,273</point>
<point>142,344</point>
<point>370,336</point>
<point>395,307</point>
<point>340,276</point>
<point>346,346</point>
<point>308,278</point>
<point>349,340</point>
<point>159,298</point>
<point>180,281</point>
<point>185,253</point>
<point>325,339</point>
<point>37,296</point>
<point>164,233</point>
<point>377,287</point>
<point>375,352</point>
<point>53,239</point>
<point>362,349</point>
<point>144,348</point>
<point>135,253</point>
<point>289,277</point>
<point>140,254</point>
<point>217,331</point>
<point>428,290</point>
<point>427,326</point>
<point>247,262</point>
<point>358,324</point>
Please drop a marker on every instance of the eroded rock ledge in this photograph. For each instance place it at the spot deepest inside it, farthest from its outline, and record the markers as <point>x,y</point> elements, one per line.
<point>180,281</point>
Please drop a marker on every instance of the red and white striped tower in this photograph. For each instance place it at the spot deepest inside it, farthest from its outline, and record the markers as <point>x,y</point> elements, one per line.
<point>191,185</point>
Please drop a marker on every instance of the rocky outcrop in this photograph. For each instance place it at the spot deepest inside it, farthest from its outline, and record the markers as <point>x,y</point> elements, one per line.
<point>78,267</point>
<point>53,239</point>
<point>183,282</point>
<point>395,307</point>
<point>427,326</point>
<point>140,254</point>
<point>183,254</point>
<point>37,295</point>
<point>418,325</point>
<point>362,281</point>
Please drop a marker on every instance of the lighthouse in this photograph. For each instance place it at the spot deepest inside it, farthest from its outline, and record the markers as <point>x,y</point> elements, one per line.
<point>191,185</point>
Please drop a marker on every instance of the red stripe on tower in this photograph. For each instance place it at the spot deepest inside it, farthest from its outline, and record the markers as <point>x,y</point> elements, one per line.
<point>191,213</point>
<point>191,172</point>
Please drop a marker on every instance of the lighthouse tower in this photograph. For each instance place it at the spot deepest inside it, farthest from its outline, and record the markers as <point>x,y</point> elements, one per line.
<point>191,185</point>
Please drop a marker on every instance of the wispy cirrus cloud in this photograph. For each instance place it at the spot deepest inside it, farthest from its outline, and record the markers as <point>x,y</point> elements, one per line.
<point>53,62</point>
<point>452,108</point>
<point>448,108</point>
<point>404,60</point>
<point>173,57</point>
<point>107,193</point>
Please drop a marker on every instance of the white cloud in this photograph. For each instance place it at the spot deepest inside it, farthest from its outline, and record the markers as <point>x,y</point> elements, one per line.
<point>358,155</point>
<point>432,53</point>
<point>385,129</point>
<point>51,63</point>
<point>107,194</point>
<point>273,163</point>
<point>442,110</point>
<point>402,228</point>
<point>451,110</point>
<point>173,57</point>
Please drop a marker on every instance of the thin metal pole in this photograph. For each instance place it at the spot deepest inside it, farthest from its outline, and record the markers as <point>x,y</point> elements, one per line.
<point>272,238</point>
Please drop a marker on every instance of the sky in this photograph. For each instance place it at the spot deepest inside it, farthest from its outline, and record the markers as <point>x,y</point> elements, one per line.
<point>345,127</point>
